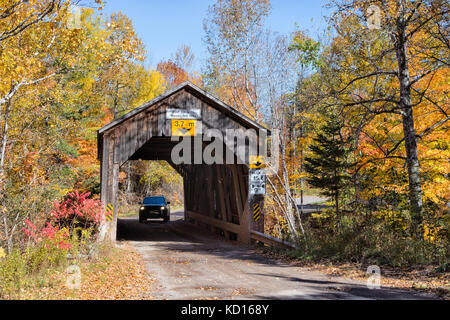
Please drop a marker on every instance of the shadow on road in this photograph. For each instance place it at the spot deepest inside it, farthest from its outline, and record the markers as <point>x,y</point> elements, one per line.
<point>152,231</point>
<point>179,236</point>
<point>337,288</point>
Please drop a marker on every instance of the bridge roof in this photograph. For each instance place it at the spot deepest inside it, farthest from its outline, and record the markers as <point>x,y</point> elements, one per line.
<point>198,92</point>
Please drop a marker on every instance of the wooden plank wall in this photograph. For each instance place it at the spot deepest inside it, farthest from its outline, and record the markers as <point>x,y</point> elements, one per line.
<point>218,192</point>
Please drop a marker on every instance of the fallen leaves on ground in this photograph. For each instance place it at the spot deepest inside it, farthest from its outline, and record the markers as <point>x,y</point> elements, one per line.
<point>121,276</point>
<point>208,289</point>
<point>118,273</point>
<point>242,292</point>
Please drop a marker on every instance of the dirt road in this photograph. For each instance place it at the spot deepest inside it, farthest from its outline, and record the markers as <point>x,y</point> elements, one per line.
<point>189,266</point>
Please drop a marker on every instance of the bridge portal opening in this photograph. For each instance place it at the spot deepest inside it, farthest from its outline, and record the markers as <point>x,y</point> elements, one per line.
<point>139,179</point>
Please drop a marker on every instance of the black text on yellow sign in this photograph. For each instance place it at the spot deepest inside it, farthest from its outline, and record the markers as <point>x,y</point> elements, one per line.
<point>257,212</point>
<point>109,213</point>
<point>182,128</point>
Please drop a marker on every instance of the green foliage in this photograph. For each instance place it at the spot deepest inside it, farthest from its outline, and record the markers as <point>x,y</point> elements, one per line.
<point>329,162</point>
<point>23,268</point>
<point>364,238</point>
<point>160,173</point>
<point>308,50</point>
<point>32,267</point>
<point>67,149</point>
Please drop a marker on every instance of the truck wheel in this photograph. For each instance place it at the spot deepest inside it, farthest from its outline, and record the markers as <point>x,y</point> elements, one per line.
<point>141,219</point>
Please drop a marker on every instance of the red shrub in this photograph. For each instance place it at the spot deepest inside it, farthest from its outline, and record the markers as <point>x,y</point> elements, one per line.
<point>50,236</point>
<point>79,211</point>
<point>31,231</point>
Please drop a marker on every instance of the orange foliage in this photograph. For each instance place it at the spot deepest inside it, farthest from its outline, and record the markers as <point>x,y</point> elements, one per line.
<point>175,75</point>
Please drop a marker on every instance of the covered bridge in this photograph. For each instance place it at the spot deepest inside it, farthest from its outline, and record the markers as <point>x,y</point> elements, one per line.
<point>216,195</point>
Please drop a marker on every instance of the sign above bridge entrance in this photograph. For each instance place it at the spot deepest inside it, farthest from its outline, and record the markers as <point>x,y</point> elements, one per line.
<point>183,128</point>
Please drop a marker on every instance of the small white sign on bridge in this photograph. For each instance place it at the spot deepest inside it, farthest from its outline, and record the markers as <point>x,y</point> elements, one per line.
<point>183,114</point>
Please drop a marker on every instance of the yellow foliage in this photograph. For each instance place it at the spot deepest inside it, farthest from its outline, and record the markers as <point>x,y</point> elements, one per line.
<point>431,234</point>
<point>394,218</point>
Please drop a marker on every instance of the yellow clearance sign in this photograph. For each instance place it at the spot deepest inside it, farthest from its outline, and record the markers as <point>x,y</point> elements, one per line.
<point>182,128</point>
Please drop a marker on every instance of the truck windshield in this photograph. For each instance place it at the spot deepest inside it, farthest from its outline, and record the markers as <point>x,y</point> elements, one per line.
<point>155,201</point>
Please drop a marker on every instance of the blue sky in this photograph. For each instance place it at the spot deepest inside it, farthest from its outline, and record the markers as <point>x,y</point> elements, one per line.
<point>166,25</point>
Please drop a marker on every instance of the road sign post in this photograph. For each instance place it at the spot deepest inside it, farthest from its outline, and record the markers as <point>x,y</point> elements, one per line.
<point>257,192</point>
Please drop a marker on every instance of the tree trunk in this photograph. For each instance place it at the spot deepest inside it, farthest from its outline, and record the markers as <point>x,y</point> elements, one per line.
<point>415,187</point>
<point>2,166</point>
<point>4,138</point>
<point>116,101</point>
<point>129,179</point>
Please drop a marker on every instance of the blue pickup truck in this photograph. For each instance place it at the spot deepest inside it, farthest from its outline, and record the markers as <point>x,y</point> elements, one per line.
<point>154,208</point>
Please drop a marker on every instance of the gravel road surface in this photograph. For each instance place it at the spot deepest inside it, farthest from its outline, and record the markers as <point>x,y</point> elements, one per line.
<point>192,265</point>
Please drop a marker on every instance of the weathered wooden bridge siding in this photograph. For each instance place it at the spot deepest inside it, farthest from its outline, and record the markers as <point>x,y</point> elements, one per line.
<point>215,195</point>
<point>217,192</point>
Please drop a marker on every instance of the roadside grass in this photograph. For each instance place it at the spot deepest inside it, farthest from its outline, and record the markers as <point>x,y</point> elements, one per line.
<point>129,211</point>
<point>320,203</point>
<point>116,273</point>
<point>349,242</point>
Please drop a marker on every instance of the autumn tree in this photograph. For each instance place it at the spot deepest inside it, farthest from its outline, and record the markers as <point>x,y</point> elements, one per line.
<point>124,47</point>
<point>179,68</point>
<point>54,79</point>
<point>173,74</point>
<point>302,109</point>
<point>17,16</point>
<point>390,68</point>
<point>233,30</point>
<point>252,69</point>
<point>34,50</point>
